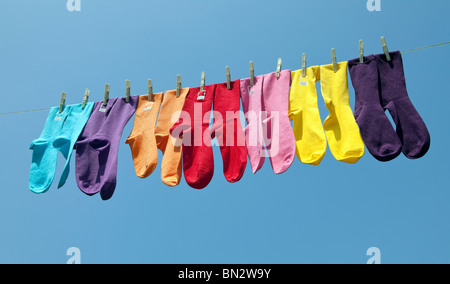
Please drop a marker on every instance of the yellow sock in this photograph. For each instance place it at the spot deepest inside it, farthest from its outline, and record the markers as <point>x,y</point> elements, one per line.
<point>304,111</point>
<point>340,126</point>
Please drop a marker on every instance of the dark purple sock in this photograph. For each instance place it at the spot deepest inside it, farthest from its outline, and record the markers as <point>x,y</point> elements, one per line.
<point>97,148</point>
<point>411,128</point>
<point>376,130</point>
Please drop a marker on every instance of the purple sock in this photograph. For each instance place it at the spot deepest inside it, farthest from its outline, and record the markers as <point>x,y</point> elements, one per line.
<point>97,148</point>
<point>376,130</point>
<point>411,129</point>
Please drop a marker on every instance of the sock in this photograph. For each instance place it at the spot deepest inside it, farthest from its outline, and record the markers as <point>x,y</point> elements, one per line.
<point>340,126</point>
<point>97,149</point>
<point>304,112</point>
<point>376,130</point>
<point>60,133</point>
<point>229,131</point>
<point>411,128</point>
<point>75,124</point>
<point>142,139</point>
<point>251,97</point>
<point>279,136</point>
<point>198,159</point>
<point>171,166</point>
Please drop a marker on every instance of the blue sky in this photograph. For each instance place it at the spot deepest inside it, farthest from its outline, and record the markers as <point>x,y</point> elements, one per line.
<point>331,213</point>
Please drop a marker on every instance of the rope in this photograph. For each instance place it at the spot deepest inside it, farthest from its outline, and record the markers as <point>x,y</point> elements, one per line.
<point>426,47</point>
<point>406,51</point>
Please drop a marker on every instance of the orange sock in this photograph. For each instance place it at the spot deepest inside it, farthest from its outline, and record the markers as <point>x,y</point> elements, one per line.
<point>171,167</point>
<point>142,139</point>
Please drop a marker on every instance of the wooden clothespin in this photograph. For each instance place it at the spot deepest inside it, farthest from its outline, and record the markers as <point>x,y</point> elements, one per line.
<point>333,54</point>
<point>128,90</point>
<point>202,93</point>
<point>385,48</point>
<point>85,98</point>
<point>62,104</point>
<point>304,65</point>
<point>151,98</point>
<point>361,51</point>
<point>252,73</point>
<point>178,85</point>
<point>202,83</point>
<point>279,65</point>
<point>106,96</point>
<point>228,78</point>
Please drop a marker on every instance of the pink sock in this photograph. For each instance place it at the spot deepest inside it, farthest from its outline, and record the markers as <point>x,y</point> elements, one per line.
<point>252,104</point>
<point>278,134</point>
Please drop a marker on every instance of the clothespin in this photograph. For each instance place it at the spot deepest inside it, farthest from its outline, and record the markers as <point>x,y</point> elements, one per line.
<point>85,98</point>
<point>361,51</point>
<point>106,97</point>
<point>128,91</point>
<point>333,54</point>
<point>385,48</point>
<point>62,104</point>
<point>150,91</point>
<point>178,85</point>
<point>252,73</point>
<point>202,83</point>
<point>304,65</point>
<point>279,65</point>
<point>228,78</point>
<point>202,93</point>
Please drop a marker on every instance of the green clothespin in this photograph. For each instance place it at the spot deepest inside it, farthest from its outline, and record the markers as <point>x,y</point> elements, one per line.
<point>385,48</point>
<point>62,104</point>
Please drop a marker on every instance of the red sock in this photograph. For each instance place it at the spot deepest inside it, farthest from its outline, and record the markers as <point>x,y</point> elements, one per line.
<point>193,127</point>
<point>228,130</point>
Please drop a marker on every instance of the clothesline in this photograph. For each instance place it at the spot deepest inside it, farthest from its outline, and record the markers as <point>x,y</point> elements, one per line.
<point>406,51</point>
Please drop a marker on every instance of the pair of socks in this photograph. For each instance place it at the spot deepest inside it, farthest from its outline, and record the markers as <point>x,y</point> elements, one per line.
<point>60,134</point>
<point>97,148</point>
<point>341,130</point>
<point>380,85</point>
<point>151,133</point>
<point>266,105</point>
<point>194,129</point>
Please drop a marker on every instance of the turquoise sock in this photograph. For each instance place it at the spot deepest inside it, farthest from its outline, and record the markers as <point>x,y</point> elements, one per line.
<point>60,134</point>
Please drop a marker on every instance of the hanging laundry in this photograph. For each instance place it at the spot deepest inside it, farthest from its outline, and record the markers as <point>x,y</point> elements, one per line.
<point>311,143</point>
<point>228,130</point>
<point>171,166</point>
<point>60,134</point>
<point>381,84</point>
<point>193,128</point>
<point>376,130</point>
<point>343,135</point>
<point>266,105</point>
<point>97,148</point>
<point>142,140</point>
<point>411,128</point>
